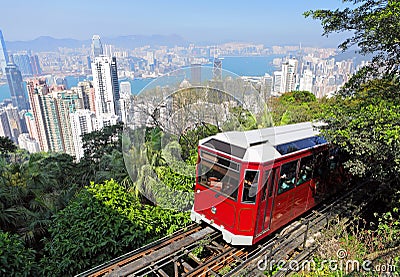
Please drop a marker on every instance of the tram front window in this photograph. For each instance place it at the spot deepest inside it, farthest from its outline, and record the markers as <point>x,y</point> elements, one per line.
<point>222,179</point>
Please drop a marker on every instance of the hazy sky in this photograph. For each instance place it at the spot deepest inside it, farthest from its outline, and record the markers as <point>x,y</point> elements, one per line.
<point>262,21</point>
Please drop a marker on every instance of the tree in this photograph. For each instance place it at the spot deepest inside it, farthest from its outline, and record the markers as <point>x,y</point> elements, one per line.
<point>7,145</point>
<point>367,127</point>
<point>374,27</point>
<point>295,107</point>
<point>98,143</point>
<point>32,192</point>
<point>98,146</point>
<point>364,118</point>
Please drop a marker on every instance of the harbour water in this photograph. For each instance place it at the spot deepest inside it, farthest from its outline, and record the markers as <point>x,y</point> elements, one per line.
<point>243,66</point>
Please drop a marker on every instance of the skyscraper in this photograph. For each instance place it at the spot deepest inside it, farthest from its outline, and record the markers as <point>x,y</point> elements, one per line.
<point>4,124</point>
<point>15,83</point>
<point>288,80</point>
<point>3,55</point>
<point>97,47</point>
<point>23,62</point>
<point>36,70</point>
<point>14,122</point>
<point>51,112</point>
<point>105,83</point>
<point>277,82</point>
<point>306,82</point>
<point>31,126</point>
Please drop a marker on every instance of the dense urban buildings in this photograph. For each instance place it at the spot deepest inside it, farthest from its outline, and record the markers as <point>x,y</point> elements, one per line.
<point>59,113</point>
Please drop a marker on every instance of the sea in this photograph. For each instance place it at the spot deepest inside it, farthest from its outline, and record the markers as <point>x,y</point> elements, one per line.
<point>242,66</point>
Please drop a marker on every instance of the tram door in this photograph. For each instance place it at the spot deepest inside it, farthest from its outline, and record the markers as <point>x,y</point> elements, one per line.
<point>266,201</point>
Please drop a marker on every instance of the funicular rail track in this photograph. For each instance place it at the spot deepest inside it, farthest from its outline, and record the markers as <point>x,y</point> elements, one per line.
<point>173,255</point>
<point>141,252</point>
<point>297,242</point>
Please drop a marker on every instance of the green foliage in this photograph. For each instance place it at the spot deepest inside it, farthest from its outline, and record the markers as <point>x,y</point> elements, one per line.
<point>374,27</point>
<point>295,107</point>
<point>297,97</point>
<point>285,119</point>
<point>173,179</point>
<point>162,194</point>
<point>7,145</point>
<point>15,259</point>
<point>104,221</point>
<point>189,140</point>
<point>103,158</point>
<point>101,142</point>
<point>364,119</point>
<point>33,191</point>
<point>366,126</point>
<point>362,20</point>
<point>240,119</point>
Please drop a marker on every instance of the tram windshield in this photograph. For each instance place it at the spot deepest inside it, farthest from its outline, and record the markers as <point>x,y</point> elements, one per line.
<point>219,174</point>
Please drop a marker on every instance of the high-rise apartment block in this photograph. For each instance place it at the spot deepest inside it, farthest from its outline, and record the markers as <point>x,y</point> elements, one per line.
<point>51,110</point>
<point>306,82</point>
<point>288,78</point>
<point>105,83</point>
<point>14,121</point>
<point>31,127</point>
<point>82,122</point>
<point>67,103</point>
<point>85,92</point>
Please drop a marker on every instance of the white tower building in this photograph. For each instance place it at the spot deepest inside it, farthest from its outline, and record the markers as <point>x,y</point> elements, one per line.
<point>106,87</point>
<point>82,122</point>
<point>306,82</point>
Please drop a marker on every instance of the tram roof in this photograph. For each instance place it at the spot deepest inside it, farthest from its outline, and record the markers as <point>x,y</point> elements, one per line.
<point>266,144</point>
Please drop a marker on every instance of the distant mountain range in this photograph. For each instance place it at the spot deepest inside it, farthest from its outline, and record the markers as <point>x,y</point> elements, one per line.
<point>46,43</point>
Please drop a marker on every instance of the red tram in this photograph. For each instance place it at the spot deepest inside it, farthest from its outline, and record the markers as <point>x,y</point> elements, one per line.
<point>249,184</point>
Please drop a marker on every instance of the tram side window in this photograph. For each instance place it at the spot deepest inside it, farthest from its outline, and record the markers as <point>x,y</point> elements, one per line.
<point>288,177</point>
<point>306,170</point>
<point>250,186</point>
<point>321,168</point>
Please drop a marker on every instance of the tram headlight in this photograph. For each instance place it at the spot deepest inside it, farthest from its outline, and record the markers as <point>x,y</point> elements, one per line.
<point>213,209</point>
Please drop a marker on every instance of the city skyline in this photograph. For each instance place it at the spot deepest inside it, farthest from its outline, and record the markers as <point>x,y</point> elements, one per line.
<point>278,22</point>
